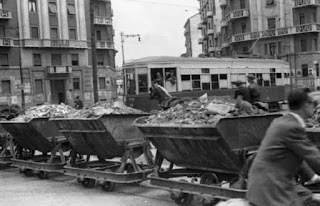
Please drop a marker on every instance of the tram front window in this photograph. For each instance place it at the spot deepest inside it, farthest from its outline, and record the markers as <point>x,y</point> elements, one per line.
<point>131,83</point>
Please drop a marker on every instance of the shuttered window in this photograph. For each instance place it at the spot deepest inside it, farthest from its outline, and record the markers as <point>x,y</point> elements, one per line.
<point>6,87</point>
<point>36,59</point>
<point>53,8</point>
<point>38,85</point>
<point>71,9</point>
<point>4,60</point>
<point>102,82</point>
<point>72,34</point>
<point>34,33</point>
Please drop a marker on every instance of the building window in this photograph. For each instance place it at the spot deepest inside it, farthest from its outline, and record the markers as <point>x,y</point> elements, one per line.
<point>273,49</point>
<point>71,9</point>
<point>223,76</point>
<point>143,83</point>
<point>100,60</point>
<point>305,69</point>
<point>96,11</point>
<point>242,4</point>
<point>6,86</point>
<point>52,8</point>
<point>38,85</point>
<point>99,35</point>
<point>314,17</point>
<point>4,60</point>
<point>271,23</point>
<point>302,18</point>
<point>34,33</point>
<point>270,2</point>
<point>205,70</point>
<point>56,60</point>
<point>303,45</point>
<point>2,31</point>
<point>54,33</point>
<point>32,6</point>
<point>36,59</point>
<point>72,34</point>
<point>243,28</point>
<point>102,82</point>
<point>74,59</point>
<point>315,43</point>
<point>76,83</point>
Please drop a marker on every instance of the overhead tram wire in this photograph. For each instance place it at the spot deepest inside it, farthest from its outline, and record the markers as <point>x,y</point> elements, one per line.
<point>167,4</point>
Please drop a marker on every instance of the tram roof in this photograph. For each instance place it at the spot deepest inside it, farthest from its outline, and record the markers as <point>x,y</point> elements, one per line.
<point>192,60</point>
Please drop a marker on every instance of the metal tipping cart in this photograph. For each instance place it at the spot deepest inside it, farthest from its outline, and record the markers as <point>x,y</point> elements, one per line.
<point>217,155</point>
<point>40,147</point>
<point>107,137</point>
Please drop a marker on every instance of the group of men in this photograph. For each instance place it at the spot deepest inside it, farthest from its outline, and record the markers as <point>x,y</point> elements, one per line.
<point>284,153</point>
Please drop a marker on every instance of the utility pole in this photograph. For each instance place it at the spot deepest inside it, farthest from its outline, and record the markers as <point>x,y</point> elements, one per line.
<point>94,54</point>
<point>122,41</point>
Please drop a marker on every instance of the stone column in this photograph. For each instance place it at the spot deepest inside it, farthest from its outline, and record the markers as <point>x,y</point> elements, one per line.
<point>63,20</point>
<point>44,16</point>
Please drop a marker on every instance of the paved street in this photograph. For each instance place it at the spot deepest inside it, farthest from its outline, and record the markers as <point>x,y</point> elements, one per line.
<point>17,190</point>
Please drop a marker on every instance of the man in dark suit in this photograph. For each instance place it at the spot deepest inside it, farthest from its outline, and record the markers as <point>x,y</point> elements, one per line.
<point>282,151</point>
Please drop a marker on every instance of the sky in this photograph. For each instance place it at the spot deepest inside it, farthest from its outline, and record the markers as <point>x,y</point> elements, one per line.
<point>160,24</point>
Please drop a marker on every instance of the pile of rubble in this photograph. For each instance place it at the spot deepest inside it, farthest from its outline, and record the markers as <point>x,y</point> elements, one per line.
<point>200,111</point>
<point>314,122</point>
<point>101,108</point>
<point>46,110</point>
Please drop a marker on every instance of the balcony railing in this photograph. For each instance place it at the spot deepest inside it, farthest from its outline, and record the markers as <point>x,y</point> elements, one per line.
<point>299,29</point>
<point>200,41</point>
<point>204,20</point>
<point>5,14</point>
<point>302,3</point>
<point>200,26</point>
<point>214,49</point>
<point>59,70</point>
<point>77,44</point>
<point>102,20</point>
<point>104,45</point>
<point>223,3</point>
<point>241,13</point>
<point>6,42</point>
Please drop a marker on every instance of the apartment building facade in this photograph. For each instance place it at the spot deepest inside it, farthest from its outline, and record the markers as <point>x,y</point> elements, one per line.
<point>192,35</point>
<point>46,43</point>
<point>284,29</point>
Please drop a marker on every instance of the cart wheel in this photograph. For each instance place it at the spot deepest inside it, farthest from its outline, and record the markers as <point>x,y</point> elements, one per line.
<point>43,175</point>
<point>108,186</point>
<point>28,172</point>
<point>209,179</point>
<point>182,198</point>
<point>88,183</point>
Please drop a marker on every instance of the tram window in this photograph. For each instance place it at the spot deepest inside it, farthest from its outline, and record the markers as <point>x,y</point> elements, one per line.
<point>205,86</point>
<point>215,81</point>
<point>196,83</point>
<point>143,85</point>
<point>279,75</point>
<point>223,76</point>
<point>266,83</point>
<point>205,70</point>
<point>185,77</point>
<point>131,83</point>
<point>273,79</point>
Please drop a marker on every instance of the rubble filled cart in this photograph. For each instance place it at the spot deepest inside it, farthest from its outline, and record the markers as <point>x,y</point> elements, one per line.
<point>40,147</point>
<point>106,137</point>
<point>218,155</point>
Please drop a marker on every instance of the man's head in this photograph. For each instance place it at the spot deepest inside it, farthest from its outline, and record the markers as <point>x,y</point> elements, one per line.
<point>77,97</point>
<point>301,102</point>
<point>251,78</point>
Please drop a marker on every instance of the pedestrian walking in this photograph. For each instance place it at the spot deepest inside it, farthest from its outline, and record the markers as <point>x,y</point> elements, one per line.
<point>281,154</point>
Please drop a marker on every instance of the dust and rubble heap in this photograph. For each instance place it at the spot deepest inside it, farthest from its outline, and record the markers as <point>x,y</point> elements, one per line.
<point>45,110</point>
<point>65,111</point>
<point>101,108</point>
<point>199,111</point>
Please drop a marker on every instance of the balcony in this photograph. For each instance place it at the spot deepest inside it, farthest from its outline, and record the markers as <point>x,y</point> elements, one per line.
<point>59,71</point>
<point>223,3</point>
<point>105,45</point>
<point>200,26</point>
<point>210,32</point>
<point>303,3</point>
<point>70,44</point>
<point>214,49</point>
<point>101,20</point>
<point>209,14</point>
<point>5,14</point>
<point>241,13</point>
<point>6,42</point>
<point>224,23</point>
<point>204,20</point>
<point>299,29</point>
<point>200,41</point>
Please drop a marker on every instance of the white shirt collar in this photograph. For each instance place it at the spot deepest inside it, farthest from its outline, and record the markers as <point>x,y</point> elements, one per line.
<point>299,119</point>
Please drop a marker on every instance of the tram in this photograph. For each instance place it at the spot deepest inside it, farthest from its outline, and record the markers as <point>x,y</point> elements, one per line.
<point>192,77</point>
